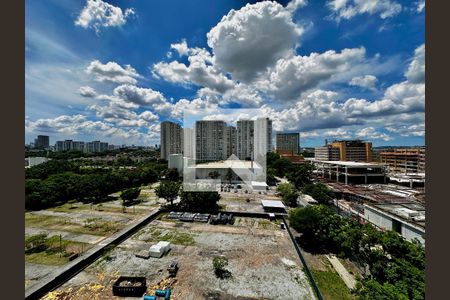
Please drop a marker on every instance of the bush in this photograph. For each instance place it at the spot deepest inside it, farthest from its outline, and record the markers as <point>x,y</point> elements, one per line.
<point>219,264</point>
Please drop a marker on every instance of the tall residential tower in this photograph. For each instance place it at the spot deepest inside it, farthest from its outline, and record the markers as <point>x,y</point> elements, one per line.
<point>171,139</point>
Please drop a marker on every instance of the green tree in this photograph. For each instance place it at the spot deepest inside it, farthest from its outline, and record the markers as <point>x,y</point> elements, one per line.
<point>271,158</point>
<point>288,193</point>
<point>195,201</point>
<point>129,195</point>
<point>373,290</point>
<point>300,175</point>
<point>270,177</point>
<point>171,174</point>
<point>168,190</point>
<point>319,192</point>
<point>282,166</point>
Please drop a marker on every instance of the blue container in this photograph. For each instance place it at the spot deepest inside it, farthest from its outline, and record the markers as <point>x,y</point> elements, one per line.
<point>160,293</point>
<point>167,297</point>
<point>148,297</point>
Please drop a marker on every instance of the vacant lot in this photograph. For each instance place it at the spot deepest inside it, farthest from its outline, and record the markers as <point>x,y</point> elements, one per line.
<point>241,201</point>
<point>81,226</point>
<point>262,262</point>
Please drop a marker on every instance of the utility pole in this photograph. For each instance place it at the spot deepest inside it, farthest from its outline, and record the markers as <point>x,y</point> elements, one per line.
<point>60,246</point>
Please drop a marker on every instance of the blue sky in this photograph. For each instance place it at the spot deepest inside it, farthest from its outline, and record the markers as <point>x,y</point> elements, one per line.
<point>113,70</point>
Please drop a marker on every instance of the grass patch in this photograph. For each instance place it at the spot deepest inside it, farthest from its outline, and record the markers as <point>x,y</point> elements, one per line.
<point>94,226</point>
<point>32,220</point>
<point>173,236</point>
<point>53,252</point>
<point>266,224</point>
<point>331,286</point>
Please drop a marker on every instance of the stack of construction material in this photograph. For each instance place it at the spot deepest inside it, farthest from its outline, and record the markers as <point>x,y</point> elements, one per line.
<point>174,215</point>
<point>202,218</point>
<point>159,249</point>
<point>187,217</point>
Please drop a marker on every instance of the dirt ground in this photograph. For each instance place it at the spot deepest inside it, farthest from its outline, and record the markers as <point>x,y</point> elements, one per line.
<point>262,262</point>
<point>238,201</point>
<point>69,221</point>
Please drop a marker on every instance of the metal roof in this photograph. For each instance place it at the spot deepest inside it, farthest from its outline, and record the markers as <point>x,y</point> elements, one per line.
<point>272,203</point>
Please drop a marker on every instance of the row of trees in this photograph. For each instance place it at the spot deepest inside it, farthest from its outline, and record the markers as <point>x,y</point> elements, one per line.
<point>289,193</point>
<point>72,154</point>
<point>395,266</point>
<point>171,187</point>
<point>59,181</point>
<point>277,166</point>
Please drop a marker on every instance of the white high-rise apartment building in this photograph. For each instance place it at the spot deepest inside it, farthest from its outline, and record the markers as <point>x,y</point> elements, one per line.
<point>263,136</point>
<point>171,139</point>
<point>210,140</point>
<point>245,139</point>
<point>189,142</point>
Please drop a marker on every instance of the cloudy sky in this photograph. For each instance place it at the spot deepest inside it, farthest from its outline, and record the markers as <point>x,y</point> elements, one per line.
<point>113,70</point>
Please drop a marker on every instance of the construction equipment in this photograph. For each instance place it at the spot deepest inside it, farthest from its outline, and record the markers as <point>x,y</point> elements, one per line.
<point>173,269</point>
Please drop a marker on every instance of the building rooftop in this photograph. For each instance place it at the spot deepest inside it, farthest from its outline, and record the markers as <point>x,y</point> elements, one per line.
<point>237,164</point>
<point>272,203</point>
<point>405,212</point>
<point>353,164</point>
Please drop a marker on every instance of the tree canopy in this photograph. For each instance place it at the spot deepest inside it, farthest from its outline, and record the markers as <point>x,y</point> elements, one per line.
<point>197,201</point>
<point>168,190</point>
<point>396,265</point>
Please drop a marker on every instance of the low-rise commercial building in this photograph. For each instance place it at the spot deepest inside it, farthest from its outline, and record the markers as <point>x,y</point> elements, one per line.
<point>289,154</point>
<point>351,150</point>
<point>409,160</point>
<point>350,171</point>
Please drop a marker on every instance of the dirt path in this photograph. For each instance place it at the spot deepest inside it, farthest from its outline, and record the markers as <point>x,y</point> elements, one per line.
<point>348,278</point>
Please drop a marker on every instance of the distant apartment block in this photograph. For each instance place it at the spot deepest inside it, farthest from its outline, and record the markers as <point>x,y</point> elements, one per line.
<point>42,142</point>
<point>231,141</point>
<point>96,146</point>
<point>404,160</point>
<point>263,136</point>
<point>245,139</point>
<point>289,142</point>
<point>210,140</point>
<point>213,140</point>
<point>188,142</point>
<point>354,150</point>
<point>71,145</point>
<point>171,139</point>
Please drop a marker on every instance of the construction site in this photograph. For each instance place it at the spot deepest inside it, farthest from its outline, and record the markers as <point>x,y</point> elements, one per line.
<point>387,206</point>
<point>262,262</point>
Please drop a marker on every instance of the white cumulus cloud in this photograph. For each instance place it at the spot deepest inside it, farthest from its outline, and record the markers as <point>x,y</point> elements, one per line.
<point>87,91</point>
<point>416,69</point>
<point>367,82</point>
<point>249,40</point>
<point>97,14</point>
<point>112,72</point>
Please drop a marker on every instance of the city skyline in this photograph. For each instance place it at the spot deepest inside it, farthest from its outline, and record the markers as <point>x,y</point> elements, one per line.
<point>328,71</point>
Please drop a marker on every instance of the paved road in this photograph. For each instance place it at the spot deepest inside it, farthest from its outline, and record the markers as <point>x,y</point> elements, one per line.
<point>348,278</point>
